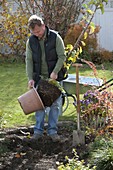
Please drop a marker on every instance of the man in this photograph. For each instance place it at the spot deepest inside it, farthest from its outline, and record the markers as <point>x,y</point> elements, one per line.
<point>45,56</point>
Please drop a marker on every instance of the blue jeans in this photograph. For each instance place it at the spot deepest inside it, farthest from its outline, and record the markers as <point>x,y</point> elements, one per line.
<point>54,112</point>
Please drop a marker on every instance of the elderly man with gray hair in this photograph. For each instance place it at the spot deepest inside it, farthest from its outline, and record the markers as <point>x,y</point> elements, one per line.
<point>45,56</point>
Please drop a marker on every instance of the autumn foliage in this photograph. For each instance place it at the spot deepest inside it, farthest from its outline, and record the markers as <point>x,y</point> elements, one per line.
<point>13,27</point>
<point>13,32</point>
<point>74,32</point>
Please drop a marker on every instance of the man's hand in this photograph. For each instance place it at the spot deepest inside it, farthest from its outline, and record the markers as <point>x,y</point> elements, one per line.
<point>31,84</point>
<point>53,75</point>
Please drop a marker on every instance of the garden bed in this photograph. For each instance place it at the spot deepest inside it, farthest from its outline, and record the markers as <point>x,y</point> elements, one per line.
<point>43,155</point>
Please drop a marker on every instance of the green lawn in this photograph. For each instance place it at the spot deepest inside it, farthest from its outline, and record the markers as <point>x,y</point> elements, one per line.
<point>13,83</point>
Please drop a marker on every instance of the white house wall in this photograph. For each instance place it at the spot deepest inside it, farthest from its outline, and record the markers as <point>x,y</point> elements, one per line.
<point>105,36</point>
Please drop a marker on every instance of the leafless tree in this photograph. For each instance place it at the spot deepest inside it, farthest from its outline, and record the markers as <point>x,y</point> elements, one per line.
<point>57,14</point>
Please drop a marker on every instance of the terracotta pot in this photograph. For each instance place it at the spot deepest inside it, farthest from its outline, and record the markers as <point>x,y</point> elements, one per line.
<point>30,101</point>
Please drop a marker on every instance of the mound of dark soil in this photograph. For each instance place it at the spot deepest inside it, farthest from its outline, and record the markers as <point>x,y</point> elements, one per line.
<point>43,155</point>
<point>48,92</point>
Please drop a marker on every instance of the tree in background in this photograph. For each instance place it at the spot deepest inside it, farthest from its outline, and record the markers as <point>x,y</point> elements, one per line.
<point>57,14</point>
<point>60,14</point>
<point>63,16</point>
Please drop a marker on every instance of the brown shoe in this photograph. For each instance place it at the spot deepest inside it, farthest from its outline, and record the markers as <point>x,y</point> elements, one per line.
<point>55,138</point>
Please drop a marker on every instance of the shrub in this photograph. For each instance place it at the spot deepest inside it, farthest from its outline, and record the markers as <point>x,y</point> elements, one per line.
<point>96,57</point>
<point>72,34</point>
<point>101,153</point>
<point>14,33</point>
<point>96,109</point>
<point>75,164</point>
<point>101,56</point>
<point>85,55</point>
<point>91,42</point>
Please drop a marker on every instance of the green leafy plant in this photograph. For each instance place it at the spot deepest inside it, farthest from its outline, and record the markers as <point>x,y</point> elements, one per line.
<point>102,153</point>
<point>75,164</point>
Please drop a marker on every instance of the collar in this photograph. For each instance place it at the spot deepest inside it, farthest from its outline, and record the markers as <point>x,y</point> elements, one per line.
<point>46,34</point>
